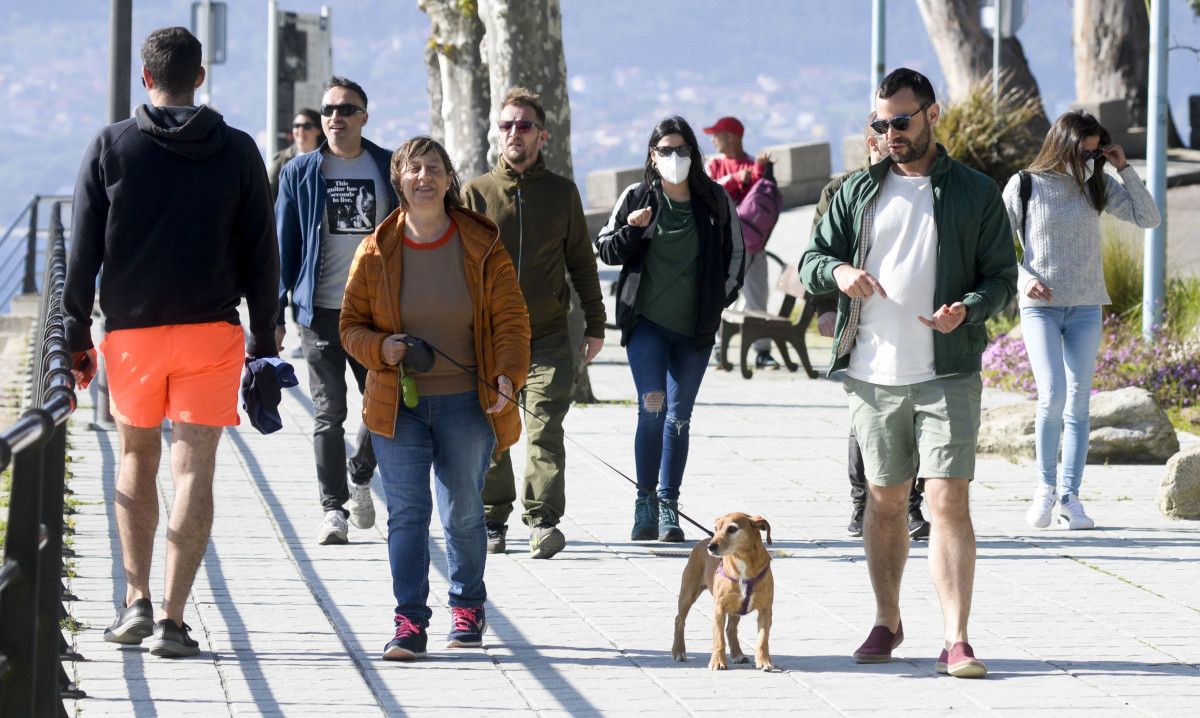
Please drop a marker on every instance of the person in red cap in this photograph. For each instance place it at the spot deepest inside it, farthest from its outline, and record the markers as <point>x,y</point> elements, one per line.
<point>737,172</point>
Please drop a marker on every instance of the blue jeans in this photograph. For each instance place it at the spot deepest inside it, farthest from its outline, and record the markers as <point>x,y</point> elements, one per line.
<point>451,434</point>
<point>667,367</point>
<point>1062,343</point>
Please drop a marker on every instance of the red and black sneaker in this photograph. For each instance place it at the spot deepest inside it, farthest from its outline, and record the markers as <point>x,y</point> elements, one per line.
<point>408,643</point>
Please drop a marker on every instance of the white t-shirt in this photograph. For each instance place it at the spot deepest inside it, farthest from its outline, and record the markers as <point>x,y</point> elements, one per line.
<point>893,348</point>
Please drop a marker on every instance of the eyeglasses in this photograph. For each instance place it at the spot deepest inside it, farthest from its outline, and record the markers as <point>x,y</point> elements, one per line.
<point>521,125</point>
<point>303,126</point>
<point>665,151</point>
<point>1092,154</point>
<point>345,110</point>
<point>900,122</point>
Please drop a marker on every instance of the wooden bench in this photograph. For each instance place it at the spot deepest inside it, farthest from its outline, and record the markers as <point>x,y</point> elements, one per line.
<point>754,325</point>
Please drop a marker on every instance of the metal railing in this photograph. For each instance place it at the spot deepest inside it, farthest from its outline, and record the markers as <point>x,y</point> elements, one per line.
<point>19,254</point>
<point>32,647</point>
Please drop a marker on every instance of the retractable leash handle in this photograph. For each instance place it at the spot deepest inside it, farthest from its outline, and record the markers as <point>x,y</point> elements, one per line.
<point>528,413</point>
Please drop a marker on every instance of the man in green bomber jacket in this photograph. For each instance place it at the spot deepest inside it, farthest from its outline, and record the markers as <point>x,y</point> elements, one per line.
<point>920,248</point>
<point>541,223</point>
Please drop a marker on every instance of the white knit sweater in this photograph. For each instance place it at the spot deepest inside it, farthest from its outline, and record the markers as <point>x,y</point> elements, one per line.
<point>1062,241</point>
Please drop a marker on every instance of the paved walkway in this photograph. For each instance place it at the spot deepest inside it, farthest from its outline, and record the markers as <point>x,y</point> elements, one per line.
<point>1097,623</point>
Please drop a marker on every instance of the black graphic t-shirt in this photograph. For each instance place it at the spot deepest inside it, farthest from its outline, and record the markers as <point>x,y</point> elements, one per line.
<point>352,211</point>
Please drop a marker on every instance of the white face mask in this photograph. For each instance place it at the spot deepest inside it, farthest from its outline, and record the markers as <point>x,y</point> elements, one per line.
<point>673,169</point>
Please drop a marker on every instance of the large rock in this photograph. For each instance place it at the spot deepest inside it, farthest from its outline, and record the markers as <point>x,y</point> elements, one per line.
<point>1128,427</point>
<point>1008,431</point>
<point>1179,494</point>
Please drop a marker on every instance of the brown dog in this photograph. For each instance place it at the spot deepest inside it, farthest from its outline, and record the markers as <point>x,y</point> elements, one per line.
<point>735,566</point>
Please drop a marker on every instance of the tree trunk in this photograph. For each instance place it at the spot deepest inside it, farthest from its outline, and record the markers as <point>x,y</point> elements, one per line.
<point>458,89</point>
<point>1112,57</point>
<point>964,51</point>
<point>523,46</point>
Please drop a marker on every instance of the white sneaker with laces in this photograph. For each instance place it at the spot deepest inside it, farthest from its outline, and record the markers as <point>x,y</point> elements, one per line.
<point>362,508</point>
<point>1040,511</point>
<point>1072,516</point>
<point>333,528</point>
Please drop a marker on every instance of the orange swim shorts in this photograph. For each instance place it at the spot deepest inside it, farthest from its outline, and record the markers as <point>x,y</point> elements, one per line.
<point>185,372</point>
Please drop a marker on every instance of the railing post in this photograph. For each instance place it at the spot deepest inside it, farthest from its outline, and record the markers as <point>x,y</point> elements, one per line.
<point>18,630</point>
<point>50,564</point>
<point>29,285</point>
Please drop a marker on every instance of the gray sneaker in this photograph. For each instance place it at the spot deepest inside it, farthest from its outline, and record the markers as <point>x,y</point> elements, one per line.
<point>545,541</point>
<point>171,640</point>
<point>362,508</point>
<point>133,623</point>
<point>333,528</point>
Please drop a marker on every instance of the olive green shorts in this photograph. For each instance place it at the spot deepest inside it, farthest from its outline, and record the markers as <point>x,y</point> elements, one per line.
<point>936,421</point>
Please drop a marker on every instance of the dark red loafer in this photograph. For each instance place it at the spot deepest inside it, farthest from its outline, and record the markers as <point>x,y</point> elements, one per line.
<point>879,644</point>
<point>960,662</point>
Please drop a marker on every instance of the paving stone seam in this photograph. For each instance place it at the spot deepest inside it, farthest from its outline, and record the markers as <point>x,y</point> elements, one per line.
<point>238,449</point>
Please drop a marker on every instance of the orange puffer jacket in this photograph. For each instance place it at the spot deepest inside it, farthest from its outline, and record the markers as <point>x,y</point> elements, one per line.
<point>371,312</point>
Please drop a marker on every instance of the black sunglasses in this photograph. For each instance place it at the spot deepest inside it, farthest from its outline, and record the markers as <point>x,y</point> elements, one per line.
<point>1092,154</point>
<point>900,122</point>
<point>665,151</point>
<point>345,110</point>
<point>521,125</point>
<point>303,126</point>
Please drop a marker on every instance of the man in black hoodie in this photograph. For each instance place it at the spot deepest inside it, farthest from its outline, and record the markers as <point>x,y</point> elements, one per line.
<point>174,206</point>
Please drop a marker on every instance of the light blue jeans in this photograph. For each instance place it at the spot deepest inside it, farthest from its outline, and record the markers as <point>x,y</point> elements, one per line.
<point>1062,343</point>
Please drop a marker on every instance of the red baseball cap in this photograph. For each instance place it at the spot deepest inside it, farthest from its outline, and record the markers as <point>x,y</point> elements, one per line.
<point>726,124</point>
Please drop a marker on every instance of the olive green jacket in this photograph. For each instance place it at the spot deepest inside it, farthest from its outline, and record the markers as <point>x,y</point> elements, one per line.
<point>542,226</point>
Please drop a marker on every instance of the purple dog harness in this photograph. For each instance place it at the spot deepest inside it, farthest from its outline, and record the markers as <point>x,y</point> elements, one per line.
<point>747,584</point>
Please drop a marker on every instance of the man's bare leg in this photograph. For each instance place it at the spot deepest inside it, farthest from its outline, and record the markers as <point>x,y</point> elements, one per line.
<point>136,505</point>
<point>193,462</point>
<point>885,540</point>
<point>952,552</point>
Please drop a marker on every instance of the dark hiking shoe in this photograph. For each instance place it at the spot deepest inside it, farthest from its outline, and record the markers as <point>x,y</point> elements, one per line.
<point>469,625</point>
<point>918,527</point>
<point>545,541</point>
<point>645,520</point>
<point>495,537</point>
<point>408,643</point>
<point>855,527</point>
<point>764,360</point>
<point>170,640</point>
<point>668,521</point>
<point>132,624</point>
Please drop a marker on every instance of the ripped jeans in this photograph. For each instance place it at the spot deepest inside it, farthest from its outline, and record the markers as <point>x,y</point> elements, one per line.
<point>667,368</point>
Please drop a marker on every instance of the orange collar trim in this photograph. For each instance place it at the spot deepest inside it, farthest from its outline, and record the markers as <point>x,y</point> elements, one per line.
<point>435,244</point>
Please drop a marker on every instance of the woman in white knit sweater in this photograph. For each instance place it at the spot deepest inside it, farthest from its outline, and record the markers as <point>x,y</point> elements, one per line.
<point>1061,284</point>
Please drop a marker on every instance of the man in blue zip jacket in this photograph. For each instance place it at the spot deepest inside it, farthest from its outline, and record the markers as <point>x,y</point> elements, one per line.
<point>920,248</point>
<point>329,200</point>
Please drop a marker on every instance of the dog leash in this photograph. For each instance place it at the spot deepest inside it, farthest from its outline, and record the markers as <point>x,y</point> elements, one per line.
<point>589,452</point>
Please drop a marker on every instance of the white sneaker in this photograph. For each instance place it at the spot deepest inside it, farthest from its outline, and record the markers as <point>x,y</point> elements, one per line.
<point>1044,499</point>
<point>333,528</point>
<point>362,508</point>
<point>1072,516</point>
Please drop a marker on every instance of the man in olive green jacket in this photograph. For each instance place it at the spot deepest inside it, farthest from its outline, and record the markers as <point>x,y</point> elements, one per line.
<point>541,223</point>
<point>920,247</point>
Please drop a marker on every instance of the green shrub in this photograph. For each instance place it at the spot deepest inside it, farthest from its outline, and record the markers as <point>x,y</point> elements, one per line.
<point>997,144</point>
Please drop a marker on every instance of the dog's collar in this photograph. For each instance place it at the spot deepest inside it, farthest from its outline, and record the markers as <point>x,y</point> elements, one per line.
<point>749,584</point>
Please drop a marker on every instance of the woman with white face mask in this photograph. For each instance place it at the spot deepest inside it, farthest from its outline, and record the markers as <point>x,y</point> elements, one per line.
<point>1061,284</point>
<point>679,243</point>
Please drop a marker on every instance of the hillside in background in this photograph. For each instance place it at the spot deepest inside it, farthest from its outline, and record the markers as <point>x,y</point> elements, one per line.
<point>792,70</point>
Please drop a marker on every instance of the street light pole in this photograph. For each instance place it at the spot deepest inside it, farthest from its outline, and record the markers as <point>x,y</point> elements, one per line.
<point>205,29</point>
<point>1154,265</point>
<point>878,46</point>
<point>272,143</point>
<point>119,68</point>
